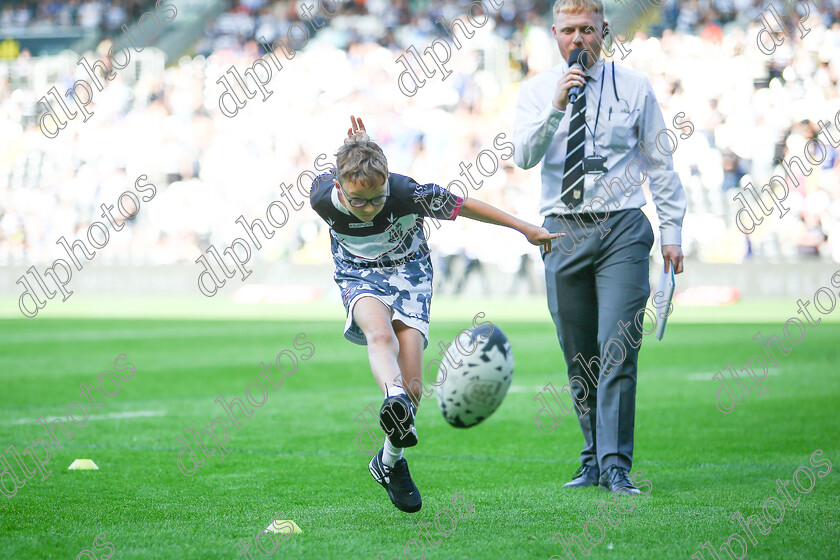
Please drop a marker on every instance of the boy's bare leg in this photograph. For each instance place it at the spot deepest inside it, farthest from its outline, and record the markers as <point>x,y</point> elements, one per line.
<point>410,360</point>
<point>374,318</point>
<point>396,416</point>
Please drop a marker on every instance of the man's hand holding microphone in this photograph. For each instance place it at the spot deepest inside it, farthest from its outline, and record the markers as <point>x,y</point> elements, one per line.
<point>572,82</point>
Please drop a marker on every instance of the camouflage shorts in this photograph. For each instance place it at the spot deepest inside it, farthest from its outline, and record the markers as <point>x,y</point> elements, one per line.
<point>407,293</point>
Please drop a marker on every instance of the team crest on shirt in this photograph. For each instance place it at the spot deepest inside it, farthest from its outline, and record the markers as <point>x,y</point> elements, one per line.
<point>395,232</point>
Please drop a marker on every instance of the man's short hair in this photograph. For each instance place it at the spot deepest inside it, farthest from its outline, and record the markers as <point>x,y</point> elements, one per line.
<point>361,161</point>
<point>577,6</point>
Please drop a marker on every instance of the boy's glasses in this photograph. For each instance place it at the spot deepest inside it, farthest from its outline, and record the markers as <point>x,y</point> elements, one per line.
<point>362,202</point>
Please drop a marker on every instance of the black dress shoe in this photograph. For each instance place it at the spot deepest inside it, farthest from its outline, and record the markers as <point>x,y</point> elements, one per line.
<point>616,479</point>
<point>585,476</point>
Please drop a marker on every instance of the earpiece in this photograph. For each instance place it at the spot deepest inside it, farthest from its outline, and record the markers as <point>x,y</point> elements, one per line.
<point>606,29</point>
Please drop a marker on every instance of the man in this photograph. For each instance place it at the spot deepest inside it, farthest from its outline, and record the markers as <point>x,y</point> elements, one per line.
<point>596,153</point>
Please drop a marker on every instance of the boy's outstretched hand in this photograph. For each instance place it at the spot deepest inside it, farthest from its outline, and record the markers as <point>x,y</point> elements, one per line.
<point>540,236</point>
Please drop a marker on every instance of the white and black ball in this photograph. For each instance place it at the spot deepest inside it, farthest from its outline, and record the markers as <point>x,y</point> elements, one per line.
<point>475,375</point>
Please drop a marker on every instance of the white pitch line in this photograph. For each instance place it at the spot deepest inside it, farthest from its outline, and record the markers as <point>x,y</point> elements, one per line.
<point>706,376</point>
<point>533,389</point>
<point>526,388</point>
<point>512,389</point>
<point>109,416</point>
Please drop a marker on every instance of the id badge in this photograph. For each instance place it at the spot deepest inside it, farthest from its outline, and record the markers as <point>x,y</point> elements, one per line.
<point>595,164</point>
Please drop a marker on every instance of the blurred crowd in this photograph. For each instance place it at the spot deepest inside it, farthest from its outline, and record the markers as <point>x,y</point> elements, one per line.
<point>747,108</point>
<point>250,19</point>
<point>87,14</point>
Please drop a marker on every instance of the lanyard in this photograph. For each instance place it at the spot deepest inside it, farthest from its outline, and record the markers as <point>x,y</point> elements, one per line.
<point>598,110</point>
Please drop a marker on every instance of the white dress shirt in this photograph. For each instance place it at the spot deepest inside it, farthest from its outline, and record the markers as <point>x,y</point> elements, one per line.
<point>540,133</point>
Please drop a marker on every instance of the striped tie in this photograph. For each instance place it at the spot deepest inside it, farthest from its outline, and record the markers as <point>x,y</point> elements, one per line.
<point>572,194</point>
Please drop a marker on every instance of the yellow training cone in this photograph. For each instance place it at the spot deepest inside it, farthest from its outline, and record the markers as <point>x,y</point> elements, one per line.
<point>284,526</point>
<point>83,465</point>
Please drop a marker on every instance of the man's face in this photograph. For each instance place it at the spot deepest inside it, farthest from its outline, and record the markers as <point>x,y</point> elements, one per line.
<point>582,30</point>
<point>355,190</point>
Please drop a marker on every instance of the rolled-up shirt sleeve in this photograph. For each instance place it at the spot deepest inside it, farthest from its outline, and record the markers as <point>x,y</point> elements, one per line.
<point>534,127</point>
<point>665,185</point>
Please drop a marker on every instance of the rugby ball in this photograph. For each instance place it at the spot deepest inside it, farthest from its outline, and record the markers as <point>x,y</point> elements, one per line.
<point>474,375</point>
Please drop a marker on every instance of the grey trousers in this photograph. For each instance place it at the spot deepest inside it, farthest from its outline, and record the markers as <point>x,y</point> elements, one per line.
<point>597,278</point>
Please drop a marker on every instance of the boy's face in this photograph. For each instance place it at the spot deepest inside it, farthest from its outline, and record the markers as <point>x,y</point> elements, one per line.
<point>582,30</point>
<point>354,189</point>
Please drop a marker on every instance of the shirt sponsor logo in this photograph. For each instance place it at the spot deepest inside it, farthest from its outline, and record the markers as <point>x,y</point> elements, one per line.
<point>437,203</point>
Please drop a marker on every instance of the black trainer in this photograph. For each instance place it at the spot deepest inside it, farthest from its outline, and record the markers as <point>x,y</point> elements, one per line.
<point>397,482</point>
<point>396,417</point>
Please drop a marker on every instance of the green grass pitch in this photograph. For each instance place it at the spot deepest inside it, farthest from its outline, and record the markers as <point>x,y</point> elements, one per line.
<point>298,452</point>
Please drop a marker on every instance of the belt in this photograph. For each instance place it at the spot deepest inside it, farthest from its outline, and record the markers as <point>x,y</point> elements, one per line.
<point>378,264</point>
<point>588,216</point>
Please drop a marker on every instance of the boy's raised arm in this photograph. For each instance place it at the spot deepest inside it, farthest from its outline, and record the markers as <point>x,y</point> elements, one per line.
<point>483,212</point>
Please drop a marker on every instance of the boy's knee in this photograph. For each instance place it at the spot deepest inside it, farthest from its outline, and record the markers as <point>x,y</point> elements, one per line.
<point>382,337</point>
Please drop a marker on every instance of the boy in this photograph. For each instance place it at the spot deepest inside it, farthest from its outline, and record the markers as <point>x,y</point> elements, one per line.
<point>384,271</point>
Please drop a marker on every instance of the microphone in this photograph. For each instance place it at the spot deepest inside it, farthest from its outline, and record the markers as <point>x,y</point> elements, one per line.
<point>576,58</point>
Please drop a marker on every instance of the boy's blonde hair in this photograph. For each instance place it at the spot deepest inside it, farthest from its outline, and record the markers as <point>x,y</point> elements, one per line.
<point>577,6</point>
<point>361,160</point>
